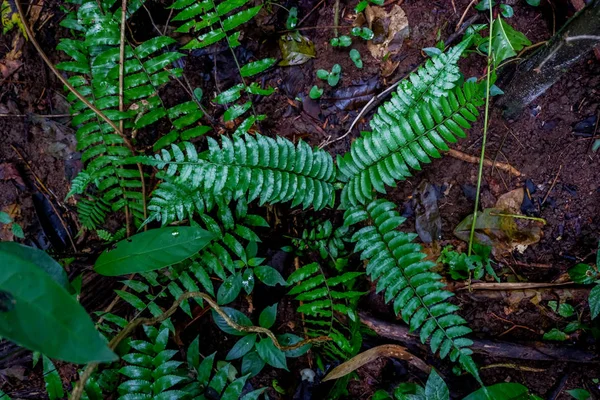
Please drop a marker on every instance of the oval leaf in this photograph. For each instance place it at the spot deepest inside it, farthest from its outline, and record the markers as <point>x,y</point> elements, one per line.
<point>271,354</point>
<point>38,302</point>
<point>152,250</point>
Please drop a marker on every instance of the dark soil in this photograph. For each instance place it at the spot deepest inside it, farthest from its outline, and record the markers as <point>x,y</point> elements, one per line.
<point>541,144</point>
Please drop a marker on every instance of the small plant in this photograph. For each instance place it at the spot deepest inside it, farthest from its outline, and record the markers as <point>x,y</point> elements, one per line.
<point>15,228</point>
<point>315,92</point>
<point>342,41</point>
<point>362,4</point>
<point>363,33</point>
<point>586,274</point>
<point>355,57</point>
<point>462,266</point>
<point>332,77</point>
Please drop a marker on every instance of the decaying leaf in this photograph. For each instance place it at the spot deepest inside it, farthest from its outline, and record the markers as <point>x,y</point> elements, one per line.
<point>296,49</point>
<point>390,29</point>
<point>386,350</point>
<point>500,227</point>
<point>428,222</point>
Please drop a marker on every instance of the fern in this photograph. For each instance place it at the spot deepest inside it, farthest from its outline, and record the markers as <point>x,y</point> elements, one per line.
<point>323,239</point>
<point>212,23</point>
<point>427,111</point>
<point>272,170</point>
<point>322,298</point>
<point>401,273</point>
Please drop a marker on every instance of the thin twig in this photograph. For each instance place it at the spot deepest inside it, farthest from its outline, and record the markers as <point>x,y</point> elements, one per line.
<point>336,16</point>
<point>131,326</point>
<point>488,163</point>
<point>309,13</point>
<point>552,185</point>
<point>464,14</point>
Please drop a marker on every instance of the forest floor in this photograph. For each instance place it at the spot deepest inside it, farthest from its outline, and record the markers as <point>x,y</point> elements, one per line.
<point>549,144</point>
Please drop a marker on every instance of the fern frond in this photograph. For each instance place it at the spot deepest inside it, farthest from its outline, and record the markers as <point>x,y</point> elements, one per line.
<point>379,159</point>
<point>92,212</point>
<point>271,170</point>
<point>172,202</point>
<point>322,298</point>
<point>324,239</point>
<point>401,273</point>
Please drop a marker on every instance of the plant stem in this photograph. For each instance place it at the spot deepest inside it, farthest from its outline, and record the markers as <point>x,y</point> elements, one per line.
<point>485,129</point>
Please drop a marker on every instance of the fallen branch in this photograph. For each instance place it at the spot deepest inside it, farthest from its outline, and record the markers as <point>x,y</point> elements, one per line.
<point>531,351</point>
<point>488,163</point>
<point>90,368</point>
<point>509,285</point>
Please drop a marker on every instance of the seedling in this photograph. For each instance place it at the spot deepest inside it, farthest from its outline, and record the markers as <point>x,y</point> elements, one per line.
<point>342,41</point>
<point>355,57</point>
<point>364,33</point>
<point>332,77</point>
<point>315,92</point>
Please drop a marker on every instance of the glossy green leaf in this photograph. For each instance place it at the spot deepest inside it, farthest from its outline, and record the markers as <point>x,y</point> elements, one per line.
<point>500,391</point>
<point>267,316</point>
<point>229,289</point>
<point>52,380</point>
<point>579,394</point>
<point>236,110</point>
<point>315,92</point>
<point>151,250</point>
<point>436,388</point>
<point>35,301</point>
<point>583,273</point>
<point>236,316</point>
<point>355,57</point>
<point>594,301</point>
<point>506,41</point>
<point>269,276</point>
<point>241,347</point>
<point>271,354</point>
<point>256,67</point>
<point>555,334</point>
<point>252,364</point>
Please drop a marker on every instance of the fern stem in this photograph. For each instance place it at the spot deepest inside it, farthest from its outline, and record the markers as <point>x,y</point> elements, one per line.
<point>121,102</point>
<point>484,140</point>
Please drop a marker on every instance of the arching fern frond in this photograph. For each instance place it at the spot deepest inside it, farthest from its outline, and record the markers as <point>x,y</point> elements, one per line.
<point>271,170</point>
<point>379,159</point>
<point>401,273</point>
<point>322,298</point>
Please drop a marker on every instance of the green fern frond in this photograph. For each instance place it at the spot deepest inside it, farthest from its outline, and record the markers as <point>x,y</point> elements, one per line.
<point>401,273</point>
<point>322,298</point>
<point>92,212</point>
<point>271,170</point>
<point>324,239</point>
<point>172,202</point>
<point>378,159</point>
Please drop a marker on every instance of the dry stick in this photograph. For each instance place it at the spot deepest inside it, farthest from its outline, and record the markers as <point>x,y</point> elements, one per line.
<point>131,326</point>
<point>488,163</point>
<point>510,285</point>
<point>552,185</point>
<point>310,12</point>
<point>464,14</point>
<point>336,16</point>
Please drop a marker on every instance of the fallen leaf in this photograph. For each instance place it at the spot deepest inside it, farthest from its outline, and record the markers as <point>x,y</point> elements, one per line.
<point>9,172</point>
<point>390,30</point>
<point>428,222</point>
<point>296,49</point>
<point>386,350</point>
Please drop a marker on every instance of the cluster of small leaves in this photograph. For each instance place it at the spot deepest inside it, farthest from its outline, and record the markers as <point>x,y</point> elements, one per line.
<point>211,23</point>
<point>462,266</point>
<point>321,298</point>
<point>323,239</point>
<point>15,228</point>
<point>586,274</point>
<point>427,111</point>
<point>362,32</point>
<point>256,351</point>
<point>332,77</point>
<point>271,170</point>
<point>405,278</point>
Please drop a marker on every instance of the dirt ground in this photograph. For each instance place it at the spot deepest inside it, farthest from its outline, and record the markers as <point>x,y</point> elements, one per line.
<point>545,144</point>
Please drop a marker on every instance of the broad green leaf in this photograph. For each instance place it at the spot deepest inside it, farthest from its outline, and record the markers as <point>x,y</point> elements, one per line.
<point>236,316</point>
<point>252,364</point>
<point>229,289</point>
<point>241,347</point>
<point>500,391</point>
<point>555,334</point>
<point>269,276</point>
<point>271,354</point>
<point>288,339</point>
<point>35,302</point>
<point>533,3</point>
<point>566,310</point>
<point>436,388</point>
<point>257,67</point>
<point>267,316</point>
<point>40,259</point>
<point>52,379</point>
<point>580,394</point>
<point>5,218</point>
<point>236,111</point>
<point>154,249</point>
<point>506,41</point>
<point>594,301</point>
<point>583,273</point>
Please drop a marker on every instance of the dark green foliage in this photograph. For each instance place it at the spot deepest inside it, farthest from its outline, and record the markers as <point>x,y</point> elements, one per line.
<point>323,239</point>
<point>427,111</point>
<point>271,170</point>
<point>322,298</point>
<point>405,278</point>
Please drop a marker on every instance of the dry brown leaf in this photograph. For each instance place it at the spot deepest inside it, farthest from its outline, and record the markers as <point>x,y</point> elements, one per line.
<point>386,350</point>
<point>390,30</point>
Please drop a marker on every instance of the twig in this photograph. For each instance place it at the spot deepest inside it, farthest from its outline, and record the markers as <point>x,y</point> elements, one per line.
<point>131,326</point>
<point>488,163</point>
<point>35,115</point>
<point>309,13</point>
<point>336,16</point>
<point>513,366</point>
<point>552,185</point>
<point>513,325</point>
<point>464,14</point>
<point>510,285</point>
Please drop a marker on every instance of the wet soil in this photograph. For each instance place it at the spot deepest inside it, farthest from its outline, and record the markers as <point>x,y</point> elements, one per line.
<point>541,144</point>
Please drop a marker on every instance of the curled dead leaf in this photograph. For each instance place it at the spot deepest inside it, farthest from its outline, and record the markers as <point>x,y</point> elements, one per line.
<point>386,350</point>
<point>390,30</point>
